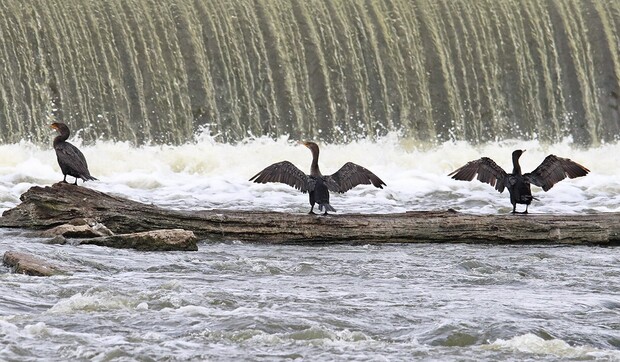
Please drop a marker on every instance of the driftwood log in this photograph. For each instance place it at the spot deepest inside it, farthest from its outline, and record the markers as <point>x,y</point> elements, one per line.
<point>156,240</point>
<point>46,207</point>
<point>89,231</point>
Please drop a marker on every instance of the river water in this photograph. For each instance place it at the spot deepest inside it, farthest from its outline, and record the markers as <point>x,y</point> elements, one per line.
<point>232,301</point>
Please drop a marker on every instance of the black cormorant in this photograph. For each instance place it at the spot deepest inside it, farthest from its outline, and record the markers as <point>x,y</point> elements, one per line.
<point>552,170</point>
<point>317,184</point>
<point>70,158</point>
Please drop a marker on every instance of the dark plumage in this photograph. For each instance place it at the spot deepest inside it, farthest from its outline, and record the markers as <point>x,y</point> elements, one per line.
<point>552,170</point>
<point>70,158</point>
<point>317,184</point>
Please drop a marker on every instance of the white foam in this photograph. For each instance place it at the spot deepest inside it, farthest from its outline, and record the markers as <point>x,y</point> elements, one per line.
<point>89,302</point>
<point>7,328</point>
<point>530,343</point>
<point>38,329</point>
<point>195,310</point>
<point>205,174</point>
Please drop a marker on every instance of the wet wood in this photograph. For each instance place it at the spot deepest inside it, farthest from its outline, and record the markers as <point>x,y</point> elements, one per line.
<point>46,207</point>
<point>156,240</point>
<point>24,263</point>
<point>89,231</point>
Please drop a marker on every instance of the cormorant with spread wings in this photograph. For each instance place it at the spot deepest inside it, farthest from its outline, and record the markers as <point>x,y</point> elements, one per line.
<point>552,170</point>
<point>317,184</point>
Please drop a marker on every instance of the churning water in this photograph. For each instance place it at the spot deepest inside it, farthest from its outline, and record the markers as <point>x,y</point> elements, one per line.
<point>206,174</point>
<point>328,302</point>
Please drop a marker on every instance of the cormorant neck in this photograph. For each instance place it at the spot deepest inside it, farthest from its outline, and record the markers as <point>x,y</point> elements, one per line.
<point>314,167</point>
<point>60,138</point>
<point>516,168</point>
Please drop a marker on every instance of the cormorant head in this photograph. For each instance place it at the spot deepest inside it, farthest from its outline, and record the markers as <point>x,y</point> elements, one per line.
<point>60,127</point>
<point>516,154</point>
<point>311,145</point>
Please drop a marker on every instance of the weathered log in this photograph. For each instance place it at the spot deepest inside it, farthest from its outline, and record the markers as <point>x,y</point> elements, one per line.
<point>24,263</point>
<point>156,240</point>
<point>59,204</point>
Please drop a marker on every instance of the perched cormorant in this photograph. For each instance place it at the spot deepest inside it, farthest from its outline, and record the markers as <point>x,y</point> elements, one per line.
<point>317,184</point>
<point>552,170</point>
<point>70,158</point>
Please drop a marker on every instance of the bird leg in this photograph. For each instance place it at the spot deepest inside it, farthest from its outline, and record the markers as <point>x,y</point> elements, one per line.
<point>514,209</point>
<point>64,180</point>
<point>312,210</point>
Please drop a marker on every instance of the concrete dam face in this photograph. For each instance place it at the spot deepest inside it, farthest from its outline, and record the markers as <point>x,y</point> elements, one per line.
<point>157,72</point>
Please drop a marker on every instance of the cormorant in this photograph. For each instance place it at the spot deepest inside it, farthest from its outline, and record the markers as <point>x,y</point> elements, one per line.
<point>317,184</point>
<point>552,170</point>
<point>70,158</point>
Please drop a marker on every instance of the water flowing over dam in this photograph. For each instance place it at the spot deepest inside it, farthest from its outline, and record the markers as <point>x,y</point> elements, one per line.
<point>158,71</point>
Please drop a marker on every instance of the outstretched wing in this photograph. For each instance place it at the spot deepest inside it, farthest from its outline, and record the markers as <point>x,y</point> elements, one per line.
<point>351,175</point>
<point>554,169</point>
<point>284,172</point>
<point>488,172</point>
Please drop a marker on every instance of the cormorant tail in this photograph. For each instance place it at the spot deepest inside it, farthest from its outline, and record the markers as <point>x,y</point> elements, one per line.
<point>327,207</point>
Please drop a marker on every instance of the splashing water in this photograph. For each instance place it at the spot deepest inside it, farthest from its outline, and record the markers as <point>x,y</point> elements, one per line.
<point>206,174</point>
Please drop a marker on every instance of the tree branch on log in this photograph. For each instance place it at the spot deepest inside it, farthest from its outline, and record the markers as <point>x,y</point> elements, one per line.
<point>46,207</point>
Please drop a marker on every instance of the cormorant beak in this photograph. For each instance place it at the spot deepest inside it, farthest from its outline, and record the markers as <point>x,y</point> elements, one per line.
<point>54,126</point>
<point>305,143</point>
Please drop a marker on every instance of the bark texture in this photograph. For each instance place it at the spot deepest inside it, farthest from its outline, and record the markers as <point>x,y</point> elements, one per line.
<point>156,240</point>
<point>46,207</point>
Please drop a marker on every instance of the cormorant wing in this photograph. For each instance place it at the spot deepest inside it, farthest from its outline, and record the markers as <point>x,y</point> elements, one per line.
<point>284,172</point>
<point>488,172</point>
<point>554,169</point>
<point>71,157</point>
<point>351,175</point>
